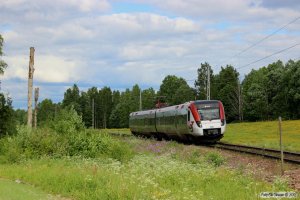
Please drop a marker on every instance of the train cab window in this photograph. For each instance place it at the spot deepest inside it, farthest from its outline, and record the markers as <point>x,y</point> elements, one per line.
<point>208,110</point>
<point>188,116</point>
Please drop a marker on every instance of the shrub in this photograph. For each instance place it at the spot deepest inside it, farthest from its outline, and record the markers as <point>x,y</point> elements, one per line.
<point>214,158</point>
<point>67,122</point>
<point>29,143</point>
<point>35,143</point>
<point>194,157</point>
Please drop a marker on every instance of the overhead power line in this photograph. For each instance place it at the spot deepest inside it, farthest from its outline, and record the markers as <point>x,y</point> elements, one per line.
<point>269,56</point>
<point>268,36</point>
<point>261,40</point>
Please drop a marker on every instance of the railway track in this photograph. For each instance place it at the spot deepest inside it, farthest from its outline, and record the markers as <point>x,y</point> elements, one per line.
<point>292,157</point>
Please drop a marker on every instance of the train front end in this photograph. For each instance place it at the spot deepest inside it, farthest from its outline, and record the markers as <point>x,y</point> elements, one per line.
<point>207,120</point>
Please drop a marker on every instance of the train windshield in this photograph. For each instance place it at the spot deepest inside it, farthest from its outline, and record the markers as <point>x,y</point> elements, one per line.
<point>208,111</point>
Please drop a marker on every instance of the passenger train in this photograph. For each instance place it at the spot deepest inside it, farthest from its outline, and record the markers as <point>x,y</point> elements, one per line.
<point>194,121</point>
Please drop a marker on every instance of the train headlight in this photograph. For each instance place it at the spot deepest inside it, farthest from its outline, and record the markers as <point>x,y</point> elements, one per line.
<point>222,122</point>
<point>199,124</point>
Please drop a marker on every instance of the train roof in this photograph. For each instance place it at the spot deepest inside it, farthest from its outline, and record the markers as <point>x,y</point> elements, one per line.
<point>206,101</point>
<point>168,108</point>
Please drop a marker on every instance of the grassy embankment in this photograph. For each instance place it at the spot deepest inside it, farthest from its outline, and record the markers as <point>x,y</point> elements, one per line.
<point>92,165</point>
<point>265,134</point>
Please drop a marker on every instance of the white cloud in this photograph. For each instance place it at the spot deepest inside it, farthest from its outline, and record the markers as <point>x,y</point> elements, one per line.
<point>81,5</point>
<point>84,41</point>
<point>47,69</point>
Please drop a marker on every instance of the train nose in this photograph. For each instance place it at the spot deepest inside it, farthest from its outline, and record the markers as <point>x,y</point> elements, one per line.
<point>211,124</point>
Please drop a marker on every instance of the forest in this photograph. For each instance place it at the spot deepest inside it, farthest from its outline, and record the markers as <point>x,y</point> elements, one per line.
<point>264,94</point>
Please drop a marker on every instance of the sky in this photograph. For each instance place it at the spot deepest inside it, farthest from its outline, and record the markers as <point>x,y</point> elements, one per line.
<point>119,43</point>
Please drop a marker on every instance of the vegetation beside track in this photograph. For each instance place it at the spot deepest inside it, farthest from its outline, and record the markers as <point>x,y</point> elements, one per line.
<point>90,164</point>
<point>264,134</point>
<point>147,170</point>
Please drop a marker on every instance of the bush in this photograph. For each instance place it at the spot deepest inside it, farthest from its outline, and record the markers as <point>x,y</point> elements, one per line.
<point>91,143</point>
<point>67,122</point>
<point>36,143</point>
<point>29,143</point>
<point>214,158</point>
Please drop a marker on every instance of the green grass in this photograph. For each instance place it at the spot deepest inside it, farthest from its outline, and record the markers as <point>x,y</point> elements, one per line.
<point>10,190</point>
<point>92,165</point>
<point>143,177</point>
<point>264,134</point>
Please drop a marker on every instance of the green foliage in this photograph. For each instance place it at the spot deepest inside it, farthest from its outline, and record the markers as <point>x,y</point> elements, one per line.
<point>46,112</point>
<point>120,114</point>
<point>214,158</point>
<point>72,99</point>
<point>105,105</point>
<point>3,65</point>
<point>67,122</point>
<point>194,157</point>
<point>281,184</point>
<point>255,98</point>
<point>7,122</point>
<point>20,117</point>
<point>90,144</point>
<point>292,89</point>
<point>27,143</point>
<point>227,86</point>
<point>170,86</point>
<point>272,91</point>
<point>148,98</point>
<point>266,93</point>
<point>184,94</point>
<point>201,82</point>
<point>36,143</point>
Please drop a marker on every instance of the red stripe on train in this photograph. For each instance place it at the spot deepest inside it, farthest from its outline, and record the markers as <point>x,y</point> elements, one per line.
<point>195,113</point>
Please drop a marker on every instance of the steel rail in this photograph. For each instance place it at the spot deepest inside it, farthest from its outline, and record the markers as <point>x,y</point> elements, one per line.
<point>293,157</point>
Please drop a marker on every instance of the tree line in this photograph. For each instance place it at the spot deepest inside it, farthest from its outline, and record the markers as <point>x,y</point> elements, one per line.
<point>264,94</point>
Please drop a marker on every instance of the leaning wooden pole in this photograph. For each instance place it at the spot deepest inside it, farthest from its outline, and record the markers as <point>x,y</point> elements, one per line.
<point>36,98</point>
<point>30,80</point>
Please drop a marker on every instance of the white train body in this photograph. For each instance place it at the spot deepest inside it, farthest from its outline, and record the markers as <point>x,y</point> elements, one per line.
<point>195,121</point>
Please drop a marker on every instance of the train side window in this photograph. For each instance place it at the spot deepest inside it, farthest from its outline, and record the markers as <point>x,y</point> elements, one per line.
<point>188,116</point>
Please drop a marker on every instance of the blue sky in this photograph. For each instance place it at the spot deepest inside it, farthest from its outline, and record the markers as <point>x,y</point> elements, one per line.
<point>120,43</point>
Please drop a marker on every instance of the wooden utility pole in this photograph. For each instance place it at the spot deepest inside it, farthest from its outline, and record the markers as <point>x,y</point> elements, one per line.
<point>208,83</point>
<point>140,99</point>
<point>93,114</point>
<point>30,80</point>
<point>36,98</point>
<point>240,102</point>
<point>281,148</point>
